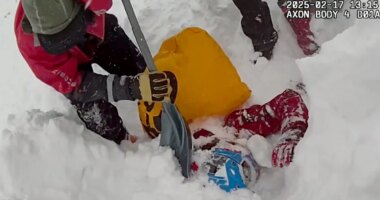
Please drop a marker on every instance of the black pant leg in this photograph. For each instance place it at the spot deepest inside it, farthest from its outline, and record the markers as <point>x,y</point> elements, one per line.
<point>251,11</point>
<point>248,6</point>
<point>117,54</point>
<point>257,24</point>
<point>102,118</point>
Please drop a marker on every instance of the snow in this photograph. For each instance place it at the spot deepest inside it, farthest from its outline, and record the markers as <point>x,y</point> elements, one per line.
<point>48,154</point>
<point>344,105</point>
<point>261,150</point>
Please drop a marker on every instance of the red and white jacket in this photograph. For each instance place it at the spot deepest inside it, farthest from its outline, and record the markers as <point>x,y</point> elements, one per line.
<point>59,71</point>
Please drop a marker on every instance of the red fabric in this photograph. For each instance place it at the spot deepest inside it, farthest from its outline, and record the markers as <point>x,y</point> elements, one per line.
<point>194,167</point>
<point>97,5</point>
<point>283,153</point>
<point>59,71</point>
<point>202,133</point>
<point>210,143</point>
<point>305,36</point>
<point>285,112</point>
<point>98,27</point>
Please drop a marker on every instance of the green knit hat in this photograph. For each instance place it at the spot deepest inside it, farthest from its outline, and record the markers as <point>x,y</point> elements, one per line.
<point>59,24</point>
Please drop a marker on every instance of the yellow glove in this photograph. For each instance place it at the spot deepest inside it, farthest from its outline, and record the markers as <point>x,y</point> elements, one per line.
<point>156,86</point>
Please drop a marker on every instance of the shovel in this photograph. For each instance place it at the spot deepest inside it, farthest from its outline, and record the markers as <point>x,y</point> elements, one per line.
<point>175,132</point>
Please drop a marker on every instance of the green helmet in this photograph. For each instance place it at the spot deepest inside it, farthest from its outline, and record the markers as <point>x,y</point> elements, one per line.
<point>58,24</point>
<point>50,16</point>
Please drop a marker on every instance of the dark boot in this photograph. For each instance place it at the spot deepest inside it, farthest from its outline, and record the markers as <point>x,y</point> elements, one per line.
<point>266,46</point>
<point>257,25</point>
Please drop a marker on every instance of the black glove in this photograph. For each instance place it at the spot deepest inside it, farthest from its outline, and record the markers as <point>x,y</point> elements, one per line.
<point>150,87</point>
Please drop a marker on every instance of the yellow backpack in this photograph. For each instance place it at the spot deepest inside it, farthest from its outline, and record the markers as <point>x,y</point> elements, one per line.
<point>208,83</point>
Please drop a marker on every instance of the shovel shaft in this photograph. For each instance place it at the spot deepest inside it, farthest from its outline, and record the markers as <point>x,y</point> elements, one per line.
<point>175,131</point>
<point>144,48</point>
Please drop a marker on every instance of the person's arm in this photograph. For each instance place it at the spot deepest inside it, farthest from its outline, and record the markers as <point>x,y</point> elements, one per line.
<point>61,72</point>
<point>110,88</point>
<point>293,114</point>
<point>148,86</point>
<point>286,113</point>
<point>57,71</point>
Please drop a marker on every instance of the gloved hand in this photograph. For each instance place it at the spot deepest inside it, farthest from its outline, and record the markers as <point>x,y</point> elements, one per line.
<point>155,86</point>
<point>283,153</point>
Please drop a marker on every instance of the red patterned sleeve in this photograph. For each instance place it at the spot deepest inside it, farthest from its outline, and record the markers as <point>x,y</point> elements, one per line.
<point>286,112</point>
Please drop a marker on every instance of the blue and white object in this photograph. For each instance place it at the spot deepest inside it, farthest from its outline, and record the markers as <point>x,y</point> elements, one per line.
<point>231,170</point>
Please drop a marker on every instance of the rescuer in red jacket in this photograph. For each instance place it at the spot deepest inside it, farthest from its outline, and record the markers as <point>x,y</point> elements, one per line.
<point>60,40</point>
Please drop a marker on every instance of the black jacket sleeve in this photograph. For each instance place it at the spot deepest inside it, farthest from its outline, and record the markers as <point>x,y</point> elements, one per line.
<point>100,87</point>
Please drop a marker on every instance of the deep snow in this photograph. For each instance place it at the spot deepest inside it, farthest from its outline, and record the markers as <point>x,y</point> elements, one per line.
<point>48,154</point>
